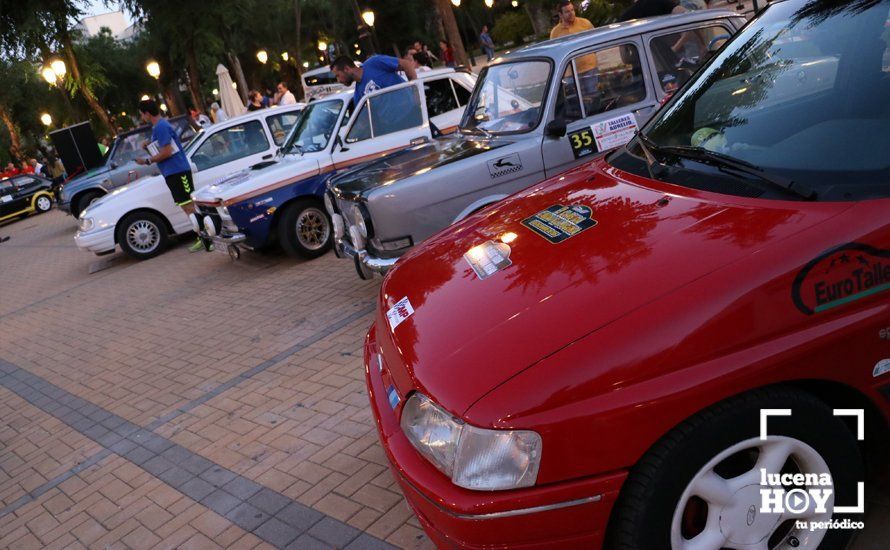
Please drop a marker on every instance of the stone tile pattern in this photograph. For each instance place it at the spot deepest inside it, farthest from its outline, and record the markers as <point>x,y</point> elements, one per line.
<point>167,344</point>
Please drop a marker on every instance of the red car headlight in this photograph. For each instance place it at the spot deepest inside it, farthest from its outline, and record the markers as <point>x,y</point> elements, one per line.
<point>474,458</point>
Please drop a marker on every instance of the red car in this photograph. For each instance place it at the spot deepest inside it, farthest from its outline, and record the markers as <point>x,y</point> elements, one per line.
<point>684,344</point>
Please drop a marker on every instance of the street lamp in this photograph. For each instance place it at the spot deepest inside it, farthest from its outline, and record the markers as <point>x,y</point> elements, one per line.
<point>285,56</point>
<point>262,56</point>
<point>322,46</point>
<point>456,3</point>
<point>145,97</point>
<point>368,17</point>
<point>515,3</point>
<point>46,119</point>
<point>489,3</point>
<point>49,75</point>
<point>305,64</point>
<point>153,69</point>
<point>216,92</point>
<point>58,67</point>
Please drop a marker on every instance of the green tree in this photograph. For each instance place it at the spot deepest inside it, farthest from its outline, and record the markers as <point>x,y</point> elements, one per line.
<point>512,27</point>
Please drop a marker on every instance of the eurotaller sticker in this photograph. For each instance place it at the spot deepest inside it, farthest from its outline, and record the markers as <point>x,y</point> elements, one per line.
<point>842,275</point>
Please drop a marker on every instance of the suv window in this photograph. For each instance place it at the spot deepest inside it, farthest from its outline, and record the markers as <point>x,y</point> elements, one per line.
<point>231,144</point>
<point>387,113</point>
<point>678,55</point>
<point>439,96</point>
<point>281,124</point>
<point>129,147</point>
<point>610,78</point>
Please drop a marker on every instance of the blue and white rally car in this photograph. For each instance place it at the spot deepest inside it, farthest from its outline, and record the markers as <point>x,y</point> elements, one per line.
<point>282,201</point>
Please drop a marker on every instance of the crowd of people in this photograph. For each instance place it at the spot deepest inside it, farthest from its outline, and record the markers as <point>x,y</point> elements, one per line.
<point>50,168</point>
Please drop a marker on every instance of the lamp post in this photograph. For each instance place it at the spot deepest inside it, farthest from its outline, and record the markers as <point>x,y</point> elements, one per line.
<point>153,68</point>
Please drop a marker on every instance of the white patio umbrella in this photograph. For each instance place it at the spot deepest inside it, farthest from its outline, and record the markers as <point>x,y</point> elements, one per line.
<point>228,97</point>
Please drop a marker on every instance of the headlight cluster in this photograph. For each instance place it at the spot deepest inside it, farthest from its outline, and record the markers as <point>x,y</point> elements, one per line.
<point>474,458</point>
<point>85,224</point>
<point>358,220</point>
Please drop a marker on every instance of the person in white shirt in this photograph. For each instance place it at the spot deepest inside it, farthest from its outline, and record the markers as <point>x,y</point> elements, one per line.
<point>219,114</point>
<point>38,168</point>
<point>284,96</point>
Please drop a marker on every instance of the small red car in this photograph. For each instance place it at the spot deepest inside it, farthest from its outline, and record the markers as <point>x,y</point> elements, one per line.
<point>684,344</point>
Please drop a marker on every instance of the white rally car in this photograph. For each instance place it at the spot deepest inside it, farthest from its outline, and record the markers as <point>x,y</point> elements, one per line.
<point>141,216</point>
<point>282,201</point>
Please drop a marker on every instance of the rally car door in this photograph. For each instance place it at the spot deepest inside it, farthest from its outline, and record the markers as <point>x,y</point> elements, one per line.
<point>603,96</point>
<point>384,121</point>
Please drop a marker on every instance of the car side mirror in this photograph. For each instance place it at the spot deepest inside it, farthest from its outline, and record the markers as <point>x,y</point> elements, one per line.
<point>114,165</point>
<point>556,128</point>
<point>338,144</point>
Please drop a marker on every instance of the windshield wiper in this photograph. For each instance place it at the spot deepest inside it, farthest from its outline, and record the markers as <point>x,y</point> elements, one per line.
<point>646,145</point>
<point>726,162</point>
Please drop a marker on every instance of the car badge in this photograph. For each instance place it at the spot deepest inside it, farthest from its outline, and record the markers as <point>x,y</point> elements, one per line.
<point>488,258</point>
<point>883,367</point>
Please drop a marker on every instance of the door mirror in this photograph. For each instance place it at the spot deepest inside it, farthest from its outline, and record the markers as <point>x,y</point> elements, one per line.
<point>556,128</point>
<point>338,144</point>
<point>113,165</point>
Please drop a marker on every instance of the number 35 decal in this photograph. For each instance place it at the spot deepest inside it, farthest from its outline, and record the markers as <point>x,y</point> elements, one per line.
<point>582,143</point>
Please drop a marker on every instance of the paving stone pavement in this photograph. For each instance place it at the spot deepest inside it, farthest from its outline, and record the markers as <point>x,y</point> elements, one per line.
<point>192,402</point>
<point>186,401</point>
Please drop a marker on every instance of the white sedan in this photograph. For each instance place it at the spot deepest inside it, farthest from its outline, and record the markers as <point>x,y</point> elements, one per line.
<point>141,217</point>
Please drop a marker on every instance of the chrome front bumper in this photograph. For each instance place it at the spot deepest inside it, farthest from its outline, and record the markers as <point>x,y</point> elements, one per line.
<point>365,264</point>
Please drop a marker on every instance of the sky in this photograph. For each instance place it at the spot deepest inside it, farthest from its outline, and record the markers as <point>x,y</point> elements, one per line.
<point>98,7</point>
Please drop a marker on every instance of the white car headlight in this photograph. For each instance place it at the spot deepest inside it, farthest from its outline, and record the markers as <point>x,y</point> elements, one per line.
<point>474,458</point>
<point>358,220</point>
<point>85,224</point>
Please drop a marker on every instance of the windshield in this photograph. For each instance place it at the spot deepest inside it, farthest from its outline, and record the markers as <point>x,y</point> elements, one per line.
<point>315,127</point>
<point>508,98</point>
<point>803,93</point>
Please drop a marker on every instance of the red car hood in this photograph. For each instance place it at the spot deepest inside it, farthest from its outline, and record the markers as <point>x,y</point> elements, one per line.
<point>466,335</point>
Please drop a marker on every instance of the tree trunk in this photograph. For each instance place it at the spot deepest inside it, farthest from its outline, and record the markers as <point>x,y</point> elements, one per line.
<point>298,56</point>
<point>15,142</point>
<point>68,47</point>
<point>452,32</point>
<point>239,75</point>
<point>539,17</point>
<point>194,75</point>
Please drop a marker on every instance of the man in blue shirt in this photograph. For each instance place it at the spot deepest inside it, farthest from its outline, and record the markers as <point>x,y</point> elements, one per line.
<point>378,71</point>
<point>166,150</point>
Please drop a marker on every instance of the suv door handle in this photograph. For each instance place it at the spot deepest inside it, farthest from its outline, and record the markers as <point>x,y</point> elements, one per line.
<point>267,157</point>
<point>419,140</point>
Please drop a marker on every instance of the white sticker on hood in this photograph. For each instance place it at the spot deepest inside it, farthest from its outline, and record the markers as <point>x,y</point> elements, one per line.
<point>399,312</point>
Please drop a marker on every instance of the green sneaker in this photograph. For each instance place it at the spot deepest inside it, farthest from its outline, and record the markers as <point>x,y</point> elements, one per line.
<point>199,245</point>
